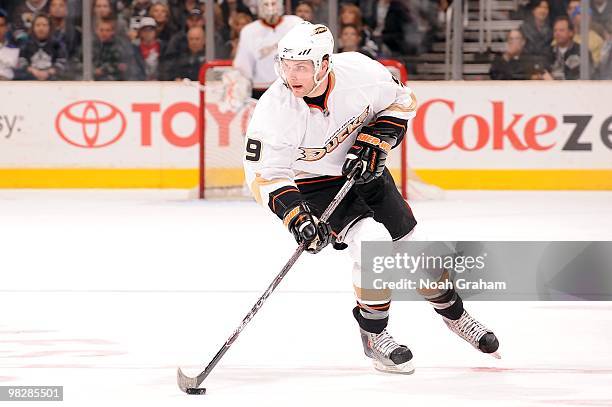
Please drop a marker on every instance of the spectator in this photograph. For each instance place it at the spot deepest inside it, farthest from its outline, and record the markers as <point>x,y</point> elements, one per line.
<point>237,23</point>
<point>595,42</point>
<point>229,8</point>
<point>120,38</point>
<point>388,19</point>
<point>572,5</point>
<point>320,12</point>
<point>149,49</point>
<point>350,40</point>
<point>23,15</point>
<point>181,11</point>
<point>512,64</point>
<point>536,30</point>
<point>188,64</point>
<point>523,9</point>
<point>41,57</point>
<point>109,57</point>
<point>565,60</point>
<point>257,48</point>
<point>103,9</point>
<point>161,14</point>
<point>63,30</point>
<point>351,15</point>
<point>602,11</point>
<point>178,43</point>
<point>426,24</point>
<point>304,11</point>
<point>557,8</point>
<point>605,66</point>
<point>9,53</point>
<point>222,33</point>
<point>138,10</point>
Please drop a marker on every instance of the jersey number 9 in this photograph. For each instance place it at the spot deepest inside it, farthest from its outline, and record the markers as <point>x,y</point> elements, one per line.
<point>253,150</point>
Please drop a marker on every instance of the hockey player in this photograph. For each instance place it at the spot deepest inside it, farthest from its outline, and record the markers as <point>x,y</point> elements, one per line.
<point>258,43</point>
<point>324,115</point>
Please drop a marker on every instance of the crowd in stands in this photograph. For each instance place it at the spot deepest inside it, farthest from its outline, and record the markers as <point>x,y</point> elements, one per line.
<point>165,39</point>
<point>547,44</point>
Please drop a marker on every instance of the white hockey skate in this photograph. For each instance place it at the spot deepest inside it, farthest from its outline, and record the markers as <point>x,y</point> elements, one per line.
<point>386,354</point>
<point>475,333</point>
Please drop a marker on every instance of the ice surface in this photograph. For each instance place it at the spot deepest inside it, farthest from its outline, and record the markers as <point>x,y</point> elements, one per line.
<point>107,292</point>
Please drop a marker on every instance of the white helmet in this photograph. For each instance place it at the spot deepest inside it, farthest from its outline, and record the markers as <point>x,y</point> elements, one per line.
<point>307,42</point>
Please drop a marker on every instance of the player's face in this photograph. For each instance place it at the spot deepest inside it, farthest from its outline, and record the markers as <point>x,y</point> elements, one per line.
<point>299,76</point>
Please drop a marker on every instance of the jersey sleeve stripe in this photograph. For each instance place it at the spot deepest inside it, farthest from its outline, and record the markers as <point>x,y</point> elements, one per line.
<point>316,180</point>
<point>285,197</point>
<point>403,126</point>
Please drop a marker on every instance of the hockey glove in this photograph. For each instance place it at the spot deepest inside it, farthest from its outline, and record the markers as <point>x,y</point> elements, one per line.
<point>306,228</point>
<point>371,148</point>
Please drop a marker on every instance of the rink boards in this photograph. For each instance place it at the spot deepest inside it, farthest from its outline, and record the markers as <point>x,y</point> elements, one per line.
<point>490,135</point>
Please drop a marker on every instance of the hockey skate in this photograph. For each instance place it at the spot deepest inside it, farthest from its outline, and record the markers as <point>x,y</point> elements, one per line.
<point>475,333</point>
<point>386,354</point>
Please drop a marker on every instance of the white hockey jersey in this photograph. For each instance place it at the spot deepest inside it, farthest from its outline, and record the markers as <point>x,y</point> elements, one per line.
<point>287,139</point>
<point>257,49</point>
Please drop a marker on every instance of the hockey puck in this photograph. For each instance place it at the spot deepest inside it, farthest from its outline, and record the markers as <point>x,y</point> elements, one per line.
<point>196,390</point>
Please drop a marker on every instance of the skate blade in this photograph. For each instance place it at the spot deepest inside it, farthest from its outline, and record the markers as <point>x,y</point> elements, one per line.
<point>404,368</point>
<point>496,355</point>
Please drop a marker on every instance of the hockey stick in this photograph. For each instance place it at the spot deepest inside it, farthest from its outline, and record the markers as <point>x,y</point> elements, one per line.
<point>190,384</point>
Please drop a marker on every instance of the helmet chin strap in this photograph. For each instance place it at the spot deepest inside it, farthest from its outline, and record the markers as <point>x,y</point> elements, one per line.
<point>318,82</point>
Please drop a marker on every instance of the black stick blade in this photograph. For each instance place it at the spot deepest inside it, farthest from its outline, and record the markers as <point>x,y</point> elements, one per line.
<point>196,390</point>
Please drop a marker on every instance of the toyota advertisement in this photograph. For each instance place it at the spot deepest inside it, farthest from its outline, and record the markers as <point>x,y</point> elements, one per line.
<point>154,126</point>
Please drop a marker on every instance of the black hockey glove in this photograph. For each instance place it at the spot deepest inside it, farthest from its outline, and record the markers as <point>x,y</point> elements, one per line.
<point>307,228</point>
<point>371,148</point>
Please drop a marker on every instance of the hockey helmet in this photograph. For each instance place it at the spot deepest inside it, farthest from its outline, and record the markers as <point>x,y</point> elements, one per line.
<point>307,42</point>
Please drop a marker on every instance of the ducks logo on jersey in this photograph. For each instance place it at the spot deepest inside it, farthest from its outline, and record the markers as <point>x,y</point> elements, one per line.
<point>314,154</point>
